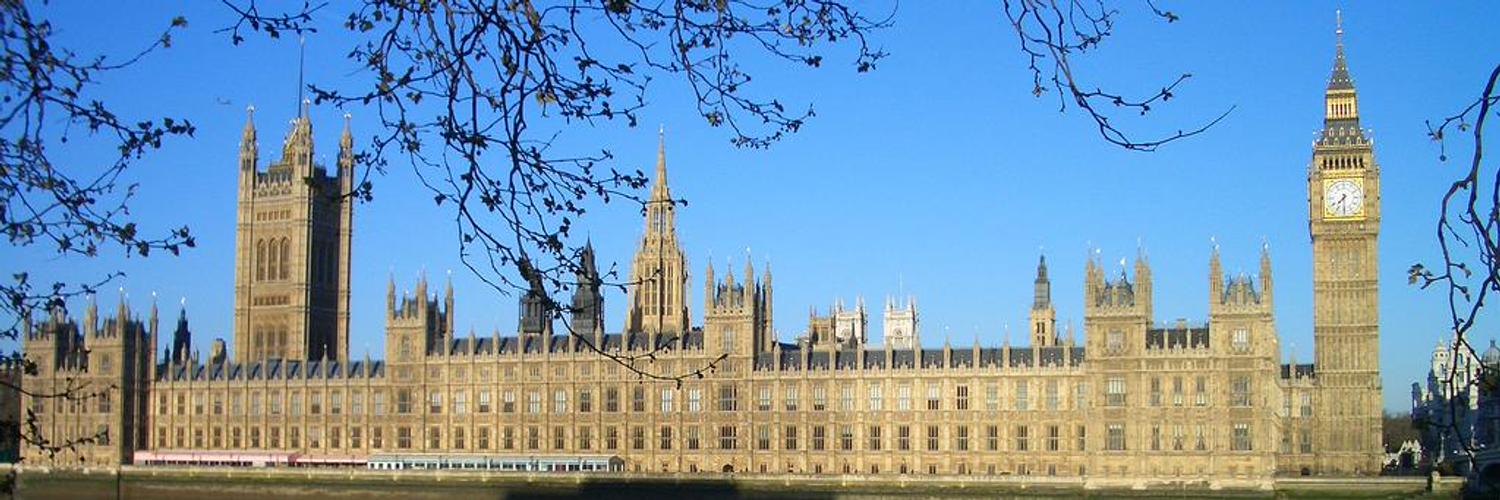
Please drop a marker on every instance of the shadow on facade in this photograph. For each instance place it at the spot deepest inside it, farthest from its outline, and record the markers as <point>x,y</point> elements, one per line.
<point>662,490</point>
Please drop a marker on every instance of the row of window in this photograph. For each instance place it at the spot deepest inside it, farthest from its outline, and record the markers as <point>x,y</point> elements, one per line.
<point>1023,438</point>
<point>562,401</point>
<point>273,261</point>
<point>1240,393</point>
<point>85,400</point>
<point>1114,341</point>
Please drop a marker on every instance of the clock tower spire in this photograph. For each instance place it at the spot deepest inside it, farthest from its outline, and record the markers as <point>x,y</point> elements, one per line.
<point>1344,223</point>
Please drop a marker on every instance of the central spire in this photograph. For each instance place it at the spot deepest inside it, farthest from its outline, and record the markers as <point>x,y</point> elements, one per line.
<point>1340,79</point>
<point>660,192</point>
<point>658,300</point>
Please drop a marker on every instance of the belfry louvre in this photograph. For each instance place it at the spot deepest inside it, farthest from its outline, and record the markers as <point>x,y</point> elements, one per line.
<point>1133,398</point>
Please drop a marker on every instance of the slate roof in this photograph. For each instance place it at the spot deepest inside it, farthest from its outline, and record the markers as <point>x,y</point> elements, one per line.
<point>273,369</point>
<point>793,357</point>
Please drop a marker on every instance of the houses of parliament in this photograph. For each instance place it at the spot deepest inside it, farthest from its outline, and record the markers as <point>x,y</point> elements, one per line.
<point>1132,398</point>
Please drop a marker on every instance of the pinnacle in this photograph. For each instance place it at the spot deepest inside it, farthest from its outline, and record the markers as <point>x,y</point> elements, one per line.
<point>660,192</point>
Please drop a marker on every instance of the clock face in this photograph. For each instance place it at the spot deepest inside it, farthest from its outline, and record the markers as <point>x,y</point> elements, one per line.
<point>1343,198</point>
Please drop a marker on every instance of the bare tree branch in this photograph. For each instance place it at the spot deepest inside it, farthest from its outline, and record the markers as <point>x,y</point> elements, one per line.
<point>75,209</point>
<point>476,97</point>
<point>1468,234</point>
<point>1052,32</point>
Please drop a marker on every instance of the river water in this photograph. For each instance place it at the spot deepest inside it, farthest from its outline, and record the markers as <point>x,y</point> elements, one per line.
<point>108,486</point>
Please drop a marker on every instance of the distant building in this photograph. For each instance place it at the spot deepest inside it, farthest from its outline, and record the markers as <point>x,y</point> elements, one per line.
<point>1135,399</point>
<point>1445,409</point>
<point>900,324</point>
<point>1484,476</point>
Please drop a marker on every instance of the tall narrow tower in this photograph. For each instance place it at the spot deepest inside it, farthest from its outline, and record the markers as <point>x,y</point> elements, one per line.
<point>658,277</point>
<point>1344,221</point>
<point>588,300</point>
<point>901,323</point>
<point>292,254</point>
<point>1043,315</point>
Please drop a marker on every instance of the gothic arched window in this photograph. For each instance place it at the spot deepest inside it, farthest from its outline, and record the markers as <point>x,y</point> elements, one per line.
<point>273,259</point>
<point>286,248</point>
<point>260,260</point>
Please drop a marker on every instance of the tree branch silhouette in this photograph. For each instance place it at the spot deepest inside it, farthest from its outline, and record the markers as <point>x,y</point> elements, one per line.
<point>1052,32</point>
<point>1468,235</point>
<point>76,209</point>
<point>477,96</point>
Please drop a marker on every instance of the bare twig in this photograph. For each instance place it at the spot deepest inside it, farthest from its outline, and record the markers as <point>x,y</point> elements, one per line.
<point>1052,32</point>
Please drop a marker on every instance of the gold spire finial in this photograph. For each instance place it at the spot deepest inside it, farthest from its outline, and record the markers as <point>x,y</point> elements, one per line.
<point>1338,15</point>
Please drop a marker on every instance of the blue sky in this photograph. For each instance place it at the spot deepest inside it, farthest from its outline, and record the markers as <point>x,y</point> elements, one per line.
<point>937,174</point>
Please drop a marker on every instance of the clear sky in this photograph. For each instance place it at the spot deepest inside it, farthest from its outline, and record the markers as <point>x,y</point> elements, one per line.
<point>938,174</point>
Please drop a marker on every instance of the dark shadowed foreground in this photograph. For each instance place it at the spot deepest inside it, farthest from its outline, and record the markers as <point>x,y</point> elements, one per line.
<point>241,484</point>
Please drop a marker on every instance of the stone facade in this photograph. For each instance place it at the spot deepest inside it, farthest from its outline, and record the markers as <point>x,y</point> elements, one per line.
<point>106,367</point>
<point>292,261</point>
<point>1345,209</point>
<point>1208,399</point>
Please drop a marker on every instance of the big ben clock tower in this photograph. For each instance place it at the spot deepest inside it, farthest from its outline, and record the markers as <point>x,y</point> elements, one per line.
<point>1343,184</point>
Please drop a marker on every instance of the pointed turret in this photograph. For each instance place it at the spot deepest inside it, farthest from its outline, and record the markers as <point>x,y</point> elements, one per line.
<point>586,260</point>
<point>297,151</point>
<point>154,314</point>
<point>588,302</point>
<point>710,285</point>
<point>182,337</point>
<point>1091,280</point>
<point>1042,296</point>
<point>1215,277</point>
<point>1043,315</point>
<point>91,315</point>
<point>249,146</point>
<point>1144,283</point>
<point>448,306</point>
<point>421,292</point>
<point>155,322</point>
<point>749,270</point>
<point>346,155</point>
<point>390,295</point>
<point>1340,79</point>
<point>346,141</point>
<point>1341,109</point>
<point>729,273</point>
<point>1265,275</point>
<point>536,308</point>
<point>659,191</point>
<point>768,324</point>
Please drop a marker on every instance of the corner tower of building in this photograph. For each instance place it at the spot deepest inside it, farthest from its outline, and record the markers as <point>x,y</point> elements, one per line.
<point>1043,315</point>
<point>658,275</point>
<point>292,251</point>
<point>1344,223</point>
